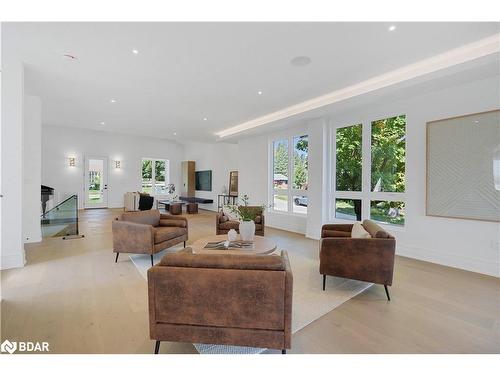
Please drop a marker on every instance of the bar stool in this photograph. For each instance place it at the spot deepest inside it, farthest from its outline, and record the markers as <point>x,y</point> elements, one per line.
<point>192,208</point>
<point>175,208</point>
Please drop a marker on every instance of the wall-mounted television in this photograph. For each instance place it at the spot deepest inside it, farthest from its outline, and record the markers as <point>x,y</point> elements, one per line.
<point>204,180</point>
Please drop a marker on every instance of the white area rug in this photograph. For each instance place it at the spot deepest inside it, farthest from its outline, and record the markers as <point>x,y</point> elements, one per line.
<point>310,302</point>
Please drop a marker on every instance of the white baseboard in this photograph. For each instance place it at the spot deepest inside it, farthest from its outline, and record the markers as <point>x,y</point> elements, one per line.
<point>9,261</point>
<point>491,268</point>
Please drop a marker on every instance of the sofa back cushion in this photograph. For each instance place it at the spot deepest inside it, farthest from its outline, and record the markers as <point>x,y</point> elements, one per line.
<point>255,210</point>
<point>224,261</point>
<point>375,230</point>
<point>334,233</point>
<point>145,202</point>
<point>150,217</point>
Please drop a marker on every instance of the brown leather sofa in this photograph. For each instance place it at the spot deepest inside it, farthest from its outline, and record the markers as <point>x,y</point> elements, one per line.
<point>147,232</point>
<point>223,224</point>
<point>365,259</point>
<point>222,299</point>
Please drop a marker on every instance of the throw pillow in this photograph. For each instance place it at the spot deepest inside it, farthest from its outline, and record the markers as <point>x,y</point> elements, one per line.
<point>227,212</point>
<point>145,202</point>
<point>223,218</point>
<point>359,232</point>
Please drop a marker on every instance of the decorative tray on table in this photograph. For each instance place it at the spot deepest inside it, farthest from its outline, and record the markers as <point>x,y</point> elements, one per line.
<point>224,245</point>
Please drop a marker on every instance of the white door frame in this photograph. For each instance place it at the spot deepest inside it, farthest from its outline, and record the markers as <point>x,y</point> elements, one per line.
<point>104,182</point>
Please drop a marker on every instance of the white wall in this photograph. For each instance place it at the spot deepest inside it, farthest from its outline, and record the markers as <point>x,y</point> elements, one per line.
<point>32,168</point>
<point>468,244</point>
<point>12,250</point>
<point>58,143</point>
<point>221,158</point>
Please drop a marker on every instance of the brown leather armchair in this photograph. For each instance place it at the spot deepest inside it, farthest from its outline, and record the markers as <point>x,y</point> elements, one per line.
<point>147,232</point>
<point>224,225</point>
<point>365,259</point>
<point>222,299</point>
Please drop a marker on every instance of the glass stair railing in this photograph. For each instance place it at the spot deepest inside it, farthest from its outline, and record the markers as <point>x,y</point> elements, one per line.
<point>62,220</point>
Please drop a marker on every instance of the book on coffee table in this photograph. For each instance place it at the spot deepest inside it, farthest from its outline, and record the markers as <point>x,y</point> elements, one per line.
<point>221,245</point>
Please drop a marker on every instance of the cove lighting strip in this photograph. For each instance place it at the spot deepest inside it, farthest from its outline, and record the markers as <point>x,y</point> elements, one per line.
<point>465,53</point>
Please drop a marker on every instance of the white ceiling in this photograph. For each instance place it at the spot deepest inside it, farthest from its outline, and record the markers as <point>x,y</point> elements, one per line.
<point>187,71</point>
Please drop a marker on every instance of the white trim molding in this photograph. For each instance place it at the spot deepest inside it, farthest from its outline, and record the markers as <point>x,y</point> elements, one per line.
<point>8,261</point>
<point>465,53</point>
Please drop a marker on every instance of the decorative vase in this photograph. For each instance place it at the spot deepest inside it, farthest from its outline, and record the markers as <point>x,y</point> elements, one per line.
<point>231,235</point>
<point>247,230</point>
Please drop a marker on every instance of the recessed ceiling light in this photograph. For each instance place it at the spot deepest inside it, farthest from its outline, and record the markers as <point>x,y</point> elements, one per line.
<point>300,61</point>
<point>392,27</point>
<point>175,133</point>
<point>205,119</point>
<point>113,100</point>
<point>135,51</point>
<point>259,92</point>
<point>103,123</point>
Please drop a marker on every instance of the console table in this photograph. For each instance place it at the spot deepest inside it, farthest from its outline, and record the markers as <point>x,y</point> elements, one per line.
<point>223,199</point>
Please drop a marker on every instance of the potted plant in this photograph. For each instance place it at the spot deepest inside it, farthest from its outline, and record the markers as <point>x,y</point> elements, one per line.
<point>246,216</point>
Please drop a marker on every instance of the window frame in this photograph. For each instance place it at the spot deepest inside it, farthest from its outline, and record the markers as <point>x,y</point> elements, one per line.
<point>153,174</point>
<point>365,195</point>
<point>290,192</point>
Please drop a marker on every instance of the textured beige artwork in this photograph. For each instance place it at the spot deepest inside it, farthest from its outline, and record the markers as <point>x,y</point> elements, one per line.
<point>463,167</point>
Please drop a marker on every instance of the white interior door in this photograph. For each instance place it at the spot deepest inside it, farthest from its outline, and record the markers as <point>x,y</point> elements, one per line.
<point>96,182</point>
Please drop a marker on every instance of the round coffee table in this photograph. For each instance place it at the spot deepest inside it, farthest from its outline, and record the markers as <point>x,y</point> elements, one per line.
<point>261,245</point>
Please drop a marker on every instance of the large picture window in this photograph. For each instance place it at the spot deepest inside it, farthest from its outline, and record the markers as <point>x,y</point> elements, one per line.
<point>377,149</point>
<point>155,176</point>
<point>290,174</point>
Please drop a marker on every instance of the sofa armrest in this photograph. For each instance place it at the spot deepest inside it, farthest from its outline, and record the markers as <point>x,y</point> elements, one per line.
<point>218,218</point>
<point>131,237</point>
<point>368,259</point>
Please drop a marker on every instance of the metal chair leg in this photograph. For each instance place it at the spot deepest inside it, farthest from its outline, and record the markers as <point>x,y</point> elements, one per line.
<point>184,243</point>
<point>324,282</point>
<point>157,346</point>
<point>387,293</point>
<point>116,259</point>
<point>152,260</point>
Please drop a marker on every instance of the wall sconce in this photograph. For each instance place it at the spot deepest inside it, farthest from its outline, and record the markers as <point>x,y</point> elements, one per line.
<point>117,164</point>
<point>72,161</point>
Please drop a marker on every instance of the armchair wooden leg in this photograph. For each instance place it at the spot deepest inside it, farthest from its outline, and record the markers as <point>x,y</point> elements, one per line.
<point>283,351</point>
<point>387,293</point>
<point>116,259</point>
<point>324,282</point>
<point>152,260</point>
<point>157,346</point>
<point>184,243</point>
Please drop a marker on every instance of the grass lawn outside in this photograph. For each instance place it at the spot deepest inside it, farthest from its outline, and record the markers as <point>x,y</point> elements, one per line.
<point>380,214</point>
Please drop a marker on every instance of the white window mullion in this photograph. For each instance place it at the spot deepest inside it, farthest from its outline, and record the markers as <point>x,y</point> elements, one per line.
<point>366,166</point>
<point>290,173</point>
<point>333,170</point>
<point>153,176</point>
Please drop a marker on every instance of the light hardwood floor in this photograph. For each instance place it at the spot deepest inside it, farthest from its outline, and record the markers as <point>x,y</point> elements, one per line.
<point>73,295</point>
